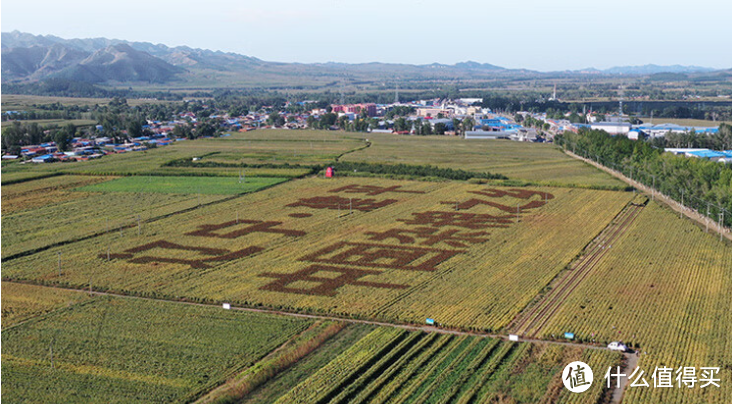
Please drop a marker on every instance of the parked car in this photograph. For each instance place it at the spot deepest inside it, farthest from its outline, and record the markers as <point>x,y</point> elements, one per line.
<point>617,346</point>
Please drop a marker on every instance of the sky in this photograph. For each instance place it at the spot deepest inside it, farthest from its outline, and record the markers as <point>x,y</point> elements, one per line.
<point>533,34</point>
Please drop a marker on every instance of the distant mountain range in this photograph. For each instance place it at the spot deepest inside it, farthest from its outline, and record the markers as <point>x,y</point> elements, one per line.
<point>648,70</point>
<point>30,58</point>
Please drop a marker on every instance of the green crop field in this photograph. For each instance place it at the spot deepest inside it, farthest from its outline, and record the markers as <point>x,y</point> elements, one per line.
<point>183,185</point>
<point>55,122</point>
<point>223,156</point>
<point>116,350</point>
<point>395,366</point>
<point>27,102</point>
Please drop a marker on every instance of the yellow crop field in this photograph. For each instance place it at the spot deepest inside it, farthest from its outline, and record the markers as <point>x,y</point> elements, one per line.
<point>535,162</point>
<point>88,213</point>
<point>467,255</point>
<point>666,287</point>
<point>21,302</point>
<point>45,191</point>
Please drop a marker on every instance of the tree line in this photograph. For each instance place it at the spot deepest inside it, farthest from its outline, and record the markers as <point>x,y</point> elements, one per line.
<point>703,184</point>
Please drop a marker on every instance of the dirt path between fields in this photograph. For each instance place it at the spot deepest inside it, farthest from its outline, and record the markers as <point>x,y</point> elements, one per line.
<point>629,365</point>
<point>411,327</point>
<point>675,206</point>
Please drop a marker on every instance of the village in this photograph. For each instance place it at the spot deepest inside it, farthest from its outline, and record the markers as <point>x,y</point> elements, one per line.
<point>460,117</point>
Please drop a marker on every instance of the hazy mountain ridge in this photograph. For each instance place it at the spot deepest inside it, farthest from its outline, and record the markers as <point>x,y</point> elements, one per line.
<point>28,58</point>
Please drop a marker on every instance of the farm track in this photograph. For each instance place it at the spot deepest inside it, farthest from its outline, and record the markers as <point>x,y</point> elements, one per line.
<point>532,322</point>
<point>408,327</point>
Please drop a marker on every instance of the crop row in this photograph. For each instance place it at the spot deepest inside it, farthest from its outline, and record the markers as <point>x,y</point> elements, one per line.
<point>130,350</point>
<point>433,368</point>
<point>316,245</point>
<point>664,289</point>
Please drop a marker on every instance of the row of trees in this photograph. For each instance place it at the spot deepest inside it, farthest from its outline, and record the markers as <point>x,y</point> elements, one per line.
<point>703,184</point>
<point>722,140</point>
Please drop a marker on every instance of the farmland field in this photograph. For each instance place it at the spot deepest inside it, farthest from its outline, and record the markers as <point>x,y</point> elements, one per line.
<point>397,366</point>
<point>26,102</point>
<point>21,302</point>
<point>667,288</point>
<point>567,251</point>
<point>264,147</point>
<point>111,350</point>
<point>183,185</point>
<point>292,238</point>
<point>45,191</point>
<point>540,163</point>
<point>56,122</point>
<point>81,214</point>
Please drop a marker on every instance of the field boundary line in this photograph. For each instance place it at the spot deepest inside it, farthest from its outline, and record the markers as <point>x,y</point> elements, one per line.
<point>134,224</point>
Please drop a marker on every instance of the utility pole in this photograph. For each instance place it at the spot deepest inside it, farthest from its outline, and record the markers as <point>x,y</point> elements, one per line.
<point>682,204</point>
<point>709,213</point>
<point>59,263</point>
<point>721,222</point>
<point>518,212</point>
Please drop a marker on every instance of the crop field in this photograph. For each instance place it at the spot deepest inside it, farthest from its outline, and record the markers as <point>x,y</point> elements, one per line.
<point>55,122</point>
<point>183,185</point>
<point>533,162</point>
<point>393,250</point>
<point>276,146</point>
<point>45,191</point>
<point>396,366</point>
<point>117,350</point>
<point>219,157</point>
<point>21,302</point>
<point>667,288</point>
<point>26,102</point>
<point>81,214</point>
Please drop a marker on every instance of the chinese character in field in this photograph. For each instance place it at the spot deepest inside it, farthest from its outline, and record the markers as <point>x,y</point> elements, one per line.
<point>686,375</point>
<point>707,377</point>
<point>473,221</point>
<point>431,236</point>
<point>337,203</point>
<point>325,280</point>
<point>209,254</point>
<point>257,226</point>
<point>662,377</point>
<point>514,193</point>
<point>576,377</point>
<point>609,376</point>
<point>540,199</point>
<point>372,190</point>
<point>382,256</point>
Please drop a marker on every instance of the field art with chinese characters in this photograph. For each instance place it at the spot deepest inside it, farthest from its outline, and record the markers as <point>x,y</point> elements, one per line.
<point>469,256</point>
